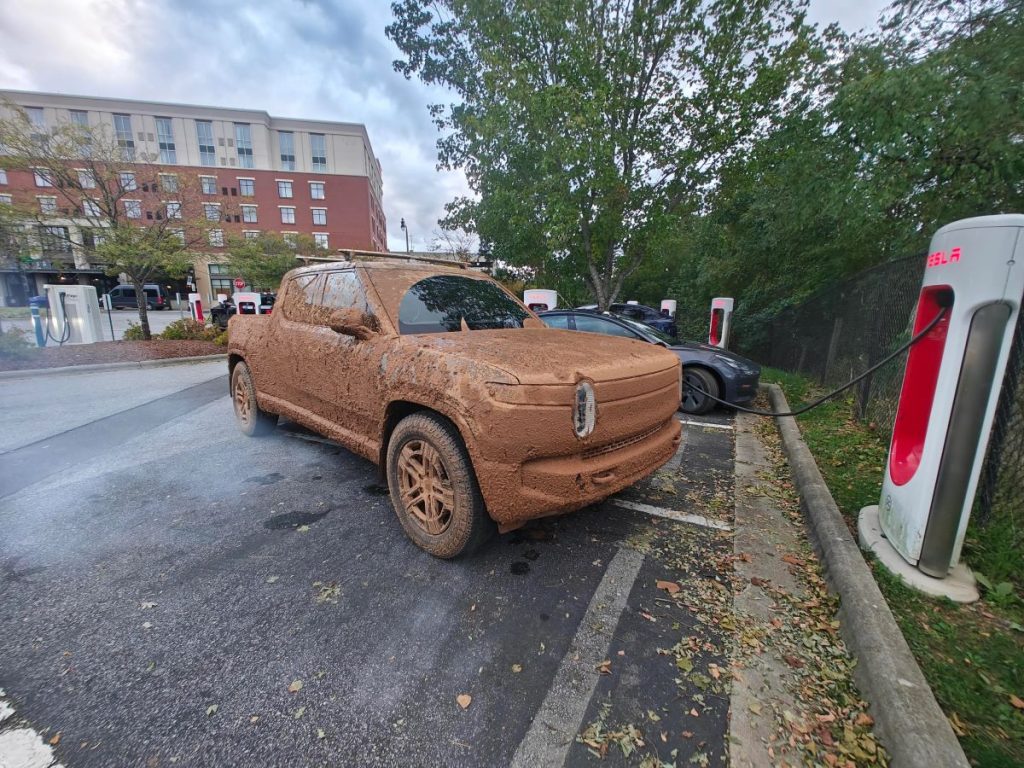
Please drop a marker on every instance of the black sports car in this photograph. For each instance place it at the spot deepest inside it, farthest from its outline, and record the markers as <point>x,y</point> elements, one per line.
<point>718,372</point>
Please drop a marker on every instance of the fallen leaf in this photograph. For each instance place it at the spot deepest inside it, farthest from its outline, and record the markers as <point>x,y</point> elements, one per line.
<point>517,668</point>
<point>605,667</point>
<point>865,719</point>
<point>299,712</point>
<point>272,579</point>
<point>320,733</point>
<point>793,661</point>
<point>295,687</point>
<point>647,616</point>
<point>303,529</point>
<point>755,707</point>
<point>56,739</point>
<point>146,625</point>
<point>669,586</point>
<point>1016,701</point>
<point>792,560</point>
<point>464,700</point>
<point>144,606</point>
<point>210,710</point>
<point>254,719</point>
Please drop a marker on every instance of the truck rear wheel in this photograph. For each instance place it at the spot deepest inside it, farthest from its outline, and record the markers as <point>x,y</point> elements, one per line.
<point>433,487</point>
<point>252,420</point>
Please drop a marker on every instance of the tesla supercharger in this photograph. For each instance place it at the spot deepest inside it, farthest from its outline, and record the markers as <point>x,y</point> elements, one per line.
<point>668,307</point>
<point>540,299</point>
<point>975,271</point>
<point>721,320</point>
<point>195,307</point>
<point>75,312</point>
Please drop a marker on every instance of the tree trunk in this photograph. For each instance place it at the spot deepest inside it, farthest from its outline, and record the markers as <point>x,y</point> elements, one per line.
<point>140,300</point>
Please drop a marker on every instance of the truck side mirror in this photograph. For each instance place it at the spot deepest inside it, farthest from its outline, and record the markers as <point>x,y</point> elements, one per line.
<point>350,321</point>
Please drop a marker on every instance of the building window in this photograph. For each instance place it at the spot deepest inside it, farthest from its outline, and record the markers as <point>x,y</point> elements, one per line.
<point>246,187</point>
<point>207,150</point>
<point>287,141</point>
<point>123,130</point>
<point>43,177</point>
<point>35,116</point>
<point>133,209</point>
<point>316,190</point>
<point>243,144</point>
<point>174,210</point>
<point>91,208</point>
<point>169,182</point>
<point>80,118</point>
<point>251,234</point>
<point>86,180</point>
<point>318,144</point>
<point>217,238</point>
<point>284,188</point>
<point>54,240</point>
<point>48,205</point>
<point>127,180</point>
<point>249,215</point>
<point>320,216</point>
<point>211,211</point>
<point>321,239</point>
<point>220,279</point>
<point>209,184</point>
<point>287,215</point>
<point>93,238</point>
<point>165,136</point>
<point>6,200</point>
<point>291,239</point>
<point>3,176</point>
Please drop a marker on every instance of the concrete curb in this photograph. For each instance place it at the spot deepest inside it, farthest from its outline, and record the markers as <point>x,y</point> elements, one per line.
<point>68,369</point>
<point>907,718</point>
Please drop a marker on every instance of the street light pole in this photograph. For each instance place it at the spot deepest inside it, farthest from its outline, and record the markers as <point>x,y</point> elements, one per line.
<point>407,249</point>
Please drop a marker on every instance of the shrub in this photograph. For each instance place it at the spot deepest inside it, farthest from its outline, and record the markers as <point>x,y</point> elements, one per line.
<point>14,345</point>
<point>222,339</point>
<point>133,332</point>
<point>188,329</point>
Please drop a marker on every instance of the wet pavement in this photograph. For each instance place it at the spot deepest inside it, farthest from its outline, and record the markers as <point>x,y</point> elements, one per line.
<point>163,594</point>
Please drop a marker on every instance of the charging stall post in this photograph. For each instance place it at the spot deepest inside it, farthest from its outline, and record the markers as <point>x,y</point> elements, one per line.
<point>974,274</point>
<point>540,299</point>
<point>195,307</point>
<point>721,322</point>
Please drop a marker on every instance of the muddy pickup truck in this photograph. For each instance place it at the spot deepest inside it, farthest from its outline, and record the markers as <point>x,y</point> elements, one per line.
<point>475,412</point>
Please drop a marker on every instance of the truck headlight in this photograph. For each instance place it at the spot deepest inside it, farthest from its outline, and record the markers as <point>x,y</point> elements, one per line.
<point>584,410</point>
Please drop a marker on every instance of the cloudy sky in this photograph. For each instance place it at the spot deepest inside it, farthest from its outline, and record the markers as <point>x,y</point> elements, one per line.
<point>326,59</point>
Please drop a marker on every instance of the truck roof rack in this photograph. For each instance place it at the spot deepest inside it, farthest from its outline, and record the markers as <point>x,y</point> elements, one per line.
<point>347,254</point>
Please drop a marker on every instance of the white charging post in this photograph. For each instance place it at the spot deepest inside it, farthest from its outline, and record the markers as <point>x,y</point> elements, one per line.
<point>668,307</point>
<point>75,311</point>
<point>195,307</point>
<point>721,322</point>
<point>540,299</point>
<point>975,270</point>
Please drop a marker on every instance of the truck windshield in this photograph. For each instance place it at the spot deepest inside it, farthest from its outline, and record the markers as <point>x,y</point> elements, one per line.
<point>440,303</point>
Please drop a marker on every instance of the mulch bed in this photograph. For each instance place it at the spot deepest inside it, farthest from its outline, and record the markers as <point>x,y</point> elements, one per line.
<point>109,352</point>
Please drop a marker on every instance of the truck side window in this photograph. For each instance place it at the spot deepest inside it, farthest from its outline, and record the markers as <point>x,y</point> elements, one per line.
<point>302,296</point>
<point>343,289</point>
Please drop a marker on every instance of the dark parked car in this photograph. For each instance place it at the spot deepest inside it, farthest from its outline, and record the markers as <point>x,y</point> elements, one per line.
<point>642,314</point>
<point>123,297</point>
<point>718,372</point>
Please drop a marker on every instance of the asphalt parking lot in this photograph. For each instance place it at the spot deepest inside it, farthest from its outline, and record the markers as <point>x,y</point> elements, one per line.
<point>177,594</point>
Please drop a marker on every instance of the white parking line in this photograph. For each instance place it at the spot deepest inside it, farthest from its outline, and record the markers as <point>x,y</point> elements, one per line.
<point>691,423</point>
<point>554,727</point>
<point>22,747</point>
<point>673,514</point>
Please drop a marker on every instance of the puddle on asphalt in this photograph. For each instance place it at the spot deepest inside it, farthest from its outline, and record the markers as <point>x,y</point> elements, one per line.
<point>376,490</point>
<point>270,479</point>
<point>520,568</point>
<point>292,520</point>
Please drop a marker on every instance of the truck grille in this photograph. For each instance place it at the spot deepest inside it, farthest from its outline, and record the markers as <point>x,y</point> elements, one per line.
<point>590,453</point>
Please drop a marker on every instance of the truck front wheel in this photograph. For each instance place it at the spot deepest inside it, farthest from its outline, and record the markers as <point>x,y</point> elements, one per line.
<point>252,420</point>
<point>433,487</point>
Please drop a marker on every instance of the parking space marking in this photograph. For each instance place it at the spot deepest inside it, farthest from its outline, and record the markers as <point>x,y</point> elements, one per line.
<point>673,514</point>
<point>554,727</point>
<point>709,425</point>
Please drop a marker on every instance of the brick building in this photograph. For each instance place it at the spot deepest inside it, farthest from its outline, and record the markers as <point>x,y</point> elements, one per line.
<point>250,173</point>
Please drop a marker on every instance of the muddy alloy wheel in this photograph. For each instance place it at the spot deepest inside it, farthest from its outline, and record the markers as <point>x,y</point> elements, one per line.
<point>252,420</point>
<point>433,488</point>
<point>694,401</point>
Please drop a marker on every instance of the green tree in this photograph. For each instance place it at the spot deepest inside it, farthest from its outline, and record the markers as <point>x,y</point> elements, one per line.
<point>98,212</point>
<point>586,126</point>
<point>262,261</point>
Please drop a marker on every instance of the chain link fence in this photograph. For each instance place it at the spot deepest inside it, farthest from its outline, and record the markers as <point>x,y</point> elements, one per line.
<point>847,328</point>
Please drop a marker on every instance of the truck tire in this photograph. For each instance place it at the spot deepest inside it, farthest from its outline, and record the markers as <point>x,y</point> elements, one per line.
<point>252,420</point>
<point>693,401</point>
<point>433,488</point>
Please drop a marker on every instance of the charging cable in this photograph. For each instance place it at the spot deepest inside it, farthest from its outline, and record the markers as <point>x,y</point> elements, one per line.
<point>65,333</point>
<point>944,300</point>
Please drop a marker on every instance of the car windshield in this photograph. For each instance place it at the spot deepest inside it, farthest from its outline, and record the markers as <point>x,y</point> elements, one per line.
<point>440,303</point>
<point>645,329</point>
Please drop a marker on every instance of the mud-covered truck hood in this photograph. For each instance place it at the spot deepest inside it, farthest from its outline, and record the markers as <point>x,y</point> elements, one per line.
<point>543,356</point>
